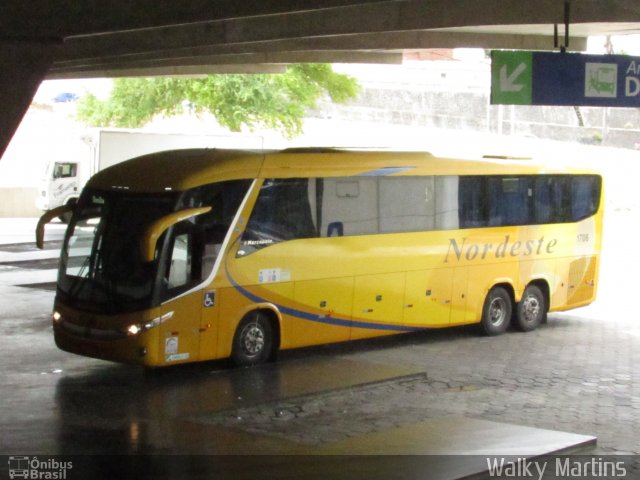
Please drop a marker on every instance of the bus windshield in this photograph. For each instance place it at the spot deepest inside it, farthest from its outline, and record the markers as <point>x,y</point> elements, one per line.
<point>101,266</point>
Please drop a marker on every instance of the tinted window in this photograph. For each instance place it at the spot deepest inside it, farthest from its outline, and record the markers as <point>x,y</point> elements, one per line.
<point>101,266</point>
<point>585,196</point>
<point>551,199</point>
<point>472,202</point>
<point>195,243</point>
<point>282,212</point>
<point>509,200</point>
<point>344,206</point>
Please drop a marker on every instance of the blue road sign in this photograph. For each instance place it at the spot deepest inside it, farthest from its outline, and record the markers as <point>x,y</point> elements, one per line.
<point>573,79</point>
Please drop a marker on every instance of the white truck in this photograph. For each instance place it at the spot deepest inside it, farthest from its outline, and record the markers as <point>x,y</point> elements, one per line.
<point>64,179</point>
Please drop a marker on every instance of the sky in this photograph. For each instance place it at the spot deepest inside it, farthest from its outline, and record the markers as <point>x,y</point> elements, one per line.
<point>627,44</point>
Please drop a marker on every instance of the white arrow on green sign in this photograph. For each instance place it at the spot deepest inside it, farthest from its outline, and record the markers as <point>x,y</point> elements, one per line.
<point>511,77</point>
<point>552,78</point>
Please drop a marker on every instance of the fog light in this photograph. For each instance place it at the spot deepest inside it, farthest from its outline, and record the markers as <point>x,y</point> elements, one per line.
<point>56,316</point>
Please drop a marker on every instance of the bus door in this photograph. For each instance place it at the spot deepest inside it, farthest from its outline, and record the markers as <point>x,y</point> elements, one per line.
<point>194,253</point>
<point>191,329</point>
<point>181,313</point>
<point>190,310</point>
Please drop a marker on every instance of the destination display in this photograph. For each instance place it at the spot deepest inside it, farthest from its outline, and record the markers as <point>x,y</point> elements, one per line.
<point>571,79</point>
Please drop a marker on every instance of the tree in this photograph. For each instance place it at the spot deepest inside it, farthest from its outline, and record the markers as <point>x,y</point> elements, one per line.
<point>275,101</point>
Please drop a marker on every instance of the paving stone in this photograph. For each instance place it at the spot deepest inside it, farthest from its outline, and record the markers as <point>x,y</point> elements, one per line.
<point>572,374</point>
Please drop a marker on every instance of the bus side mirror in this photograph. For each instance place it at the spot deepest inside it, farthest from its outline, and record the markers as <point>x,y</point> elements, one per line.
<point>47,217</point>
<point>157,228</point>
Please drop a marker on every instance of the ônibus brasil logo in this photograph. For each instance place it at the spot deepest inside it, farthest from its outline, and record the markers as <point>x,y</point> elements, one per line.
<point>34,468</point>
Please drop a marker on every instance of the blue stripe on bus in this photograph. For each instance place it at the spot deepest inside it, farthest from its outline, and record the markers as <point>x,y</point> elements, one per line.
<point>342,322</point>
<point>382,172</point>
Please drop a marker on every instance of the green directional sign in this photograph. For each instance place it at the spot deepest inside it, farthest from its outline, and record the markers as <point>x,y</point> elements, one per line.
<point>511,77</point>
<point>560,78</point>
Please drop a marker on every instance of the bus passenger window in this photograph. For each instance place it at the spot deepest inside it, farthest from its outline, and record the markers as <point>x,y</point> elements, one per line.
<point>406,204</point>
<point>509,201</point>
<point>180,266</point>
<point>561,185</point>
<point>585,195</point>
<point>282,212</point>
<point>542,200</point>
<point>350,202</point>
<point>210,229</point>
<point>446,198</point>
<point>472,198</point>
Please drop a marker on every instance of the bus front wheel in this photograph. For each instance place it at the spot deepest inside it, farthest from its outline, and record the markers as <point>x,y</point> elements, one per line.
<point>496,312</point>
<point>253,340</point>
<point>531,309</point>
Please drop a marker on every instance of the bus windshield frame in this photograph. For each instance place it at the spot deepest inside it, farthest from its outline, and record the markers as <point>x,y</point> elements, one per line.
<point>101,265</point>
<point>103,268</point>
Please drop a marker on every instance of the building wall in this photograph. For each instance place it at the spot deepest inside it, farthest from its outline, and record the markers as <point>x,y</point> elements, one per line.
<point>455,95</point>
<point>18,202</point>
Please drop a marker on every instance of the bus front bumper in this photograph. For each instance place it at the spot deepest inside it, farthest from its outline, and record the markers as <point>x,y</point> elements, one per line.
<point>134,349</point>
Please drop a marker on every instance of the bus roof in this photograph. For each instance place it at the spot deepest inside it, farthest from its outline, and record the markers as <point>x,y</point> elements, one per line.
<point>183,169</point>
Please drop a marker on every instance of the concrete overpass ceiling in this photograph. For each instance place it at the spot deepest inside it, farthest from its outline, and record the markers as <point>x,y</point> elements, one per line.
<point>581,30</point>
<point>385,47</point>
<point>224,33</point>
<point>201,63</point>
<point>68,18</point>
<point>84,38</point>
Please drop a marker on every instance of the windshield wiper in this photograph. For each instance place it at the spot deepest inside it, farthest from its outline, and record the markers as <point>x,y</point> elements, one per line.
<point>77,282</point>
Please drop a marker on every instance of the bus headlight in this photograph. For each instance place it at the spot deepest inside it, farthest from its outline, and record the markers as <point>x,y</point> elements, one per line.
<point>136,328</point>
<point>56,316</point>
<point>133,329</point>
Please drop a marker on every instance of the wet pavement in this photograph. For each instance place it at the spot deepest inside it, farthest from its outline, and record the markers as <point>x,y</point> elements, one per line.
<point>395,396</point>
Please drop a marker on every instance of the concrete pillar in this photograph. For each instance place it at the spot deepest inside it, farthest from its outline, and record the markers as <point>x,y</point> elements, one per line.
<point>23,65</point>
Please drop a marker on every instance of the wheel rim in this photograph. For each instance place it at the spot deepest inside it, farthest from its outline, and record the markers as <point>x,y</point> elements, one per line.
<point>252,339</point>
<point>497,311</point>
<point>530,308</point>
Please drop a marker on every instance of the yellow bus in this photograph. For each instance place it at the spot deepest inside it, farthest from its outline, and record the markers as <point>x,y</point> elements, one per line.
<point>193,255</point>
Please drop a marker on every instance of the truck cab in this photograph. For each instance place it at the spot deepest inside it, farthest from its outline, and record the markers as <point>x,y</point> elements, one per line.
<point>60,185</point>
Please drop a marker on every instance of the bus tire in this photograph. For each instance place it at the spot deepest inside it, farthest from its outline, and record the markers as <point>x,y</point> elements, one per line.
<point>496,312</point>
<point>531,309</point>
<point>253,340</point>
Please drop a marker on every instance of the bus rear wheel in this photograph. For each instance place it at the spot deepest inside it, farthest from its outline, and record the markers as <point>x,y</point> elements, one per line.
<point>531,309</point>
<point>496,312</point>
<point>253,340</point>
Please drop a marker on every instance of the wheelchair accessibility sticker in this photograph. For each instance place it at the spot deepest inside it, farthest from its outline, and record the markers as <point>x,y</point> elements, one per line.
<point>209,299</point>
